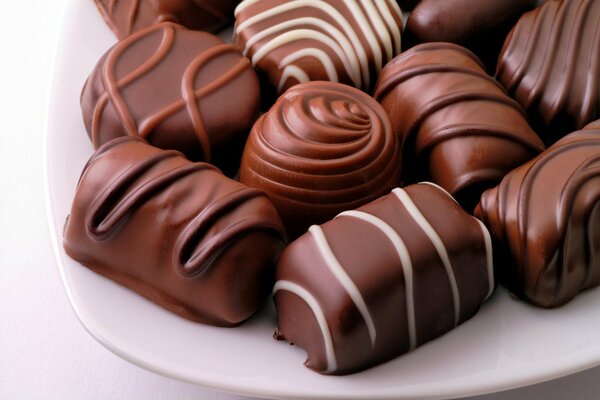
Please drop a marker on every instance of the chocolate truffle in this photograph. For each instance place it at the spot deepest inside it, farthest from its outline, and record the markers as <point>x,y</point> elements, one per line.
<point>481,26</point>
<point>295,41</point>
<point>379,281</point>
<point>458,127</point>
<point>125,17</point>
<point>323,148</point>
<point>544,220</point>
<point>178,233</point>
<point>175,88</point>
<point>550,64</point>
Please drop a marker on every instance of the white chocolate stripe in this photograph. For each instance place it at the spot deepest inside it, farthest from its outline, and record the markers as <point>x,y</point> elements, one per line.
<point>437,243</point>
<point>391,22</point>
<point>342,276</point>
<point>440,189</point>
<point>291,36</point>
<point>407,267</point>
<point>319,315</point>
<point>360,18</point>
<point>354,73</point>
<point>311,52</point>
<point>327,8</point>
<point>379,26</point>
<point>291,71</point>
<point>489,256</point>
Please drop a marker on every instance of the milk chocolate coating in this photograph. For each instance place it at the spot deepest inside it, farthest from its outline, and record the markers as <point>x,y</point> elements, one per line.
<point>479,25</point>
<point>323,148</point>
<point>379,281</point>
<point>458,127</point>
<point>292,41</point>
<point>178,233</point>
<point>175,88</point>
<point>125,17</point>
<point>544,220</point>
<point>550,64</point>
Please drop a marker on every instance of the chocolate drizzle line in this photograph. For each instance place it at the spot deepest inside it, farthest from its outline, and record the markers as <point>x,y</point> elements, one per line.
<point>190,95</point>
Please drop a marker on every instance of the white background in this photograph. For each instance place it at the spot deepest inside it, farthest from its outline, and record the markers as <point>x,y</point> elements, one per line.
<point>44,351</point>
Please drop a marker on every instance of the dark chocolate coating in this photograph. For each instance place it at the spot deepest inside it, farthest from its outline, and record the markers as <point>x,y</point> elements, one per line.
<point>323,148</point>
<point>377,282</point>
<point>408,4</point>
<point>479,25</point>
<point>125,17</point>
<point>292,41</point>
<point>550,64</point>
<point>178,233</point>
<point>175,88</point>
<point>458,127</point>
<point>544,220</point>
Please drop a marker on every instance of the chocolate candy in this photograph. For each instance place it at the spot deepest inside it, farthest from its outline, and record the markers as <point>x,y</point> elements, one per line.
<point>544,219</point>
<point>379,281</point>
<point>457,125</point>
<point>178,233</point>
<point>323,148</point>
<point>177,89</point>
<point>551,65</point>
<point>125,17</point>
<point>481,26</point>
<point>294,41</point>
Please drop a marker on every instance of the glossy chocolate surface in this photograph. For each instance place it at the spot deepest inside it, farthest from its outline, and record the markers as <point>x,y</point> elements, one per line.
<point>175,88</point>
<point>323,148</point>
<point>291,41</point>
<point>458,127</point>
<point>551,65</point>
<point>479,25</point>
<point>178,233</point>
<point>125,17</point>
<point>544,219</point>
<point>379,281</point>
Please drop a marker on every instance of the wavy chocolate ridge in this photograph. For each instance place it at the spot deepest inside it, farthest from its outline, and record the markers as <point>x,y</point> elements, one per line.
<point>496,205</point>
<point>192,262</point>
<point>466,66</point>
<point>190,95</point>
<point>528,72</point>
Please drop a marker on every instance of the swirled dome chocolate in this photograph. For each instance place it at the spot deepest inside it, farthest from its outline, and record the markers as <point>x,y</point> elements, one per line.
<point>323,148</point>
<point>125,17</point>
<point>551,65</point>
<point>175,88</point>
<point>178,233</point>
<point>458,127</point>
<point>544,219</point>
<point>379,281</point>
<point>295,41</point>
<point>479,25</point>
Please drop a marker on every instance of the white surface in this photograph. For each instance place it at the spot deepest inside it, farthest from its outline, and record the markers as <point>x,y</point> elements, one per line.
<point>44,351</point>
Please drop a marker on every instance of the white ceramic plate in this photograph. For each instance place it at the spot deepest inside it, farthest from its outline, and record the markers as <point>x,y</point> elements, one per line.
<point>508,344</point>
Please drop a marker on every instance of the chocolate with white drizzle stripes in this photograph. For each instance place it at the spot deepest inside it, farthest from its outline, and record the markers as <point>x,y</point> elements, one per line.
<point>175,88</point>
<point>125,17</point>
<point>457,125</point>
<point>294,41</point>
<point>381,280</point>
<point>179,233</point>
<point>544,218</point>
<point>550,64</point>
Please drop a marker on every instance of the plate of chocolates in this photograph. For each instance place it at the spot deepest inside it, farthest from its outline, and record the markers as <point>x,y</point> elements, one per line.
<point>331,198</point>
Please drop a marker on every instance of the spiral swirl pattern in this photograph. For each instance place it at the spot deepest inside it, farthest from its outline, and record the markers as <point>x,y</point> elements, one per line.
<point>545,216</point>
<point>323,148</point>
